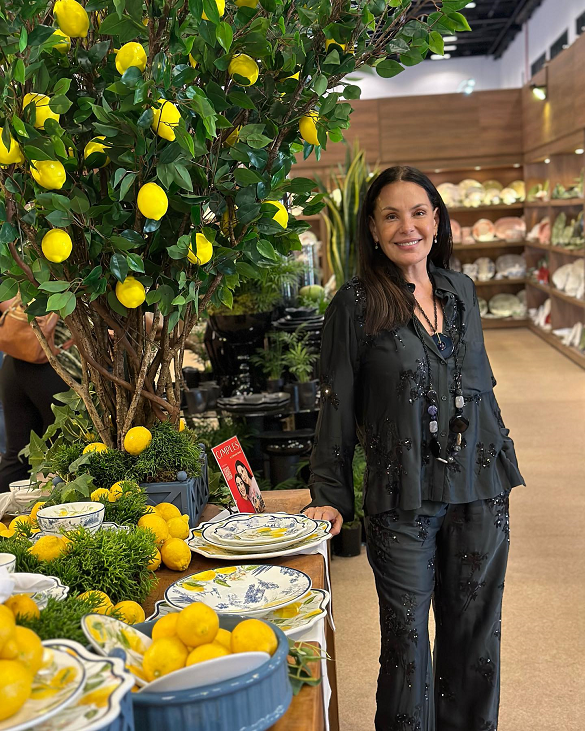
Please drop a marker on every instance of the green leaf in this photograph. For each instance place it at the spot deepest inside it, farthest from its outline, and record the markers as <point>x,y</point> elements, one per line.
<point>226,297</point>
<point>225,36</point>
<point>119,266</point>
<point>241,99</point>
<point>320,84</point>
<point>436,43</point>
<point>53,286</point>
<point>93,277</point>
<point>61,87</point>
<point>352,91</point>
<point>131,77</point>
<point>388,68</point>
<point>146,118</point>
<point>40,34</point>
<point>69,306</point>
<point>18,125</point>
<point>120,5</point>
<point>301,185</point>
<point>135,263</point>
<point>8,289</point>
<point>8,234</point>
<point>116,305</point>
<point>19,70</point>
<point>182,178</point>
<point>211,11</point>
<point>266,249</point>
<point>60,104</point>
<point>245,177</point>
<point>98,52</point>
<point>58,219</point>
<point>59,300</point>
<point>460,21</point>
<point>126,184</point>
<point>23,40</point>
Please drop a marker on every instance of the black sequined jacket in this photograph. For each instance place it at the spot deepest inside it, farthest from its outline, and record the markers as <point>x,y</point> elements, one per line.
<point>373,391</point>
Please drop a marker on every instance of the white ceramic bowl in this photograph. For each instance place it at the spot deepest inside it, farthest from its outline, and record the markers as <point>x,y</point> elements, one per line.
<point>70,516</point>
<point>21,486</point>
<point>8,562</point>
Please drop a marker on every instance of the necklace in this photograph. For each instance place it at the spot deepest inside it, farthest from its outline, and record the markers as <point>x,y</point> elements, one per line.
<point>444,342</point>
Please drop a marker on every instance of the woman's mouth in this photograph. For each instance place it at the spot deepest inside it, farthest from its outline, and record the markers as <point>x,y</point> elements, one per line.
<point>406,244</point>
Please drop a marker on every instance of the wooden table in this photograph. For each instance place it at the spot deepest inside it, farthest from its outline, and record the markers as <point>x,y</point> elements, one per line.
<point>306,711</point>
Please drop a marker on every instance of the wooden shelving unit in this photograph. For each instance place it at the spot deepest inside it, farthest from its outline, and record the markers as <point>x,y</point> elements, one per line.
<point>572,353</point>
<point>484,245</point>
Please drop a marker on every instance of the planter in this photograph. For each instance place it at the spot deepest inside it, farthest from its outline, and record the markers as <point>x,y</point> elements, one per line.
<point>293,389</point>
<point>196,400</point>
<point>285,450</point>
<point>254,701</point>
<point>241,328</point>
<point>212,392</point>
<point>274,385</point>
<point>349,541</point>
<point>307,395</point>
<point>189,496</point>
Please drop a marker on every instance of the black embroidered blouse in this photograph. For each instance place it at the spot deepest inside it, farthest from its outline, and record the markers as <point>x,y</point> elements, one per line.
<point>373,390</point>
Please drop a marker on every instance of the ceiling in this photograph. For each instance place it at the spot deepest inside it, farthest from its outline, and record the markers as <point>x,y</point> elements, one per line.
<point>494,25</point>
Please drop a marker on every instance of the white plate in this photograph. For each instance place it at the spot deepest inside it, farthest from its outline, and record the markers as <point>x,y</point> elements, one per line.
<point>208,672</point>
<point>248,590</point>
<point>61,679</point>
<point>106,684</point>
<point>58,591</point>
<point>252,530</point>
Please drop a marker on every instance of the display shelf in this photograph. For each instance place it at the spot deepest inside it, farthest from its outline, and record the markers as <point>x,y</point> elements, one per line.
<point>575,355</point>
<point>490,323</point>
<point>494,282</point>
<point>567,252</point>
<point>483,245</point>
<point>537,285</point>
<point>483,209</point>
<point>562,203</point>
<point>538,245</point>
<point>567,298</point>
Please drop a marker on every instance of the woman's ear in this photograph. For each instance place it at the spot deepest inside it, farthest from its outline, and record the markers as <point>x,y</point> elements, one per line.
<point>437,219</point>
<point>373,229</point>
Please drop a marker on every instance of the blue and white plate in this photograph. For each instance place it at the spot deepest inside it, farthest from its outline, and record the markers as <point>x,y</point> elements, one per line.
<point>58,591</point>
<point>69,516</point>
<point>246,590</point>
<point>242,532</point>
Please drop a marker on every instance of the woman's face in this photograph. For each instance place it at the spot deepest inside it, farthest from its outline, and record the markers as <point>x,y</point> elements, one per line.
<point>241,486</point>
<point>243,473</point>
<point>404,223</point>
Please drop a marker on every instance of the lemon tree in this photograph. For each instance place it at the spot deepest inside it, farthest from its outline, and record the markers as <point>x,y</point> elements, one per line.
<point>160,137</point>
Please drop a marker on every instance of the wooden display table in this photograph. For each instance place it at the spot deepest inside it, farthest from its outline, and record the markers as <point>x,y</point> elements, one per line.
<point>306,710</point>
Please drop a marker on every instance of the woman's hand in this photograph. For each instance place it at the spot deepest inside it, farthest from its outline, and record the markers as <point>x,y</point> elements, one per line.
<point>326,513</point>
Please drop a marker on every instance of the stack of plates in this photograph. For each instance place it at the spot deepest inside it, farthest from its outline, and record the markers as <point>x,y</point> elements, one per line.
<point>255,402</point>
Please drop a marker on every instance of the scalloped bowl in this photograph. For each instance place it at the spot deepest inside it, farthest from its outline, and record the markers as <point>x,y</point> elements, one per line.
<point>70,516</point>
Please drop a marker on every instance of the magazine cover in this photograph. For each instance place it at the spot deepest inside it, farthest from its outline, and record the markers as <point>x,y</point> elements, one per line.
<point>239,476</point>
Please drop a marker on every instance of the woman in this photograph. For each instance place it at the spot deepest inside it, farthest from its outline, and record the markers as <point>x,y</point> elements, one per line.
<point>404,369</point>
<point>252,489</point>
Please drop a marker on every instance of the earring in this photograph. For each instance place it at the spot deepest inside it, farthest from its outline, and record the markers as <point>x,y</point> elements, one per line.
<point>376,246</point>
<point>435,240</point>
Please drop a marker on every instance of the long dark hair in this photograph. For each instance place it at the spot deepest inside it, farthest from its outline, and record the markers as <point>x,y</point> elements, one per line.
<point>238,463</point>
<point>390,304</point>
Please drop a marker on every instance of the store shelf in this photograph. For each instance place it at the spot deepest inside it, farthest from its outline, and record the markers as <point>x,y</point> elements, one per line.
<point>489,245</point>
<point>552,292</point>
<point>558,203</point>
<point>537,285</point>
<point>494,324</point>
<point>538,245</point>
<point>567,252</point>
<point>536,204</point>
<point>497,282</point>
<point>480,209</point>
<point>575,355</point>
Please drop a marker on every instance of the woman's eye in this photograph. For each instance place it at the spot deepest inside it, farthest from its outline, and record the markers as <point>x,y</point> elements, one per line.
<point>421,212</point>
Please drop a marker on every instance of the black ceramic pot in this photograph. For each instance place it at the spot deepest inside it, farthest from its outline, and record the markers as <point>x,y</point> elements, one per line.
<point>196,400</point>
<point>307,395</point>
<point>293,389</point>
<point>241,328</point>
<point>274,385</point>
<point>349,541</point>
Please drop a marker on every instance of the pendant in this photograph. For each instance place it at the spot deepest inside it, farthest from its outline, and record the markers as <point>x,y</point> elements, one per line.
<point>444,344</point>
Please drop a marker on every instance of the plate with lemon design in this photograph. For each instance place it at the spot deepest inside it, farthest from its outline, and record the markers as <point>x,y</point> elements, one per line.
<point>258,530</point>
<point>246,590</point>
<point>58,683</point>
<point>106,684</point>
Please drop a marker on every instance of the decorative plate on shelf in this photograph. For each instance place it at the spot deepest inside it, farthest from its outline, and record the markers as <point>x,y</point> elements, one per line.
<point>247,590</point>
<point>455,264</point>
<point>470,270</point>
<point>456,231</point>
<point>510,228</point>
<point>483,306</point>
<point>508,196</point>
<point>483,230</point>
<point>512,266</point>
<point>485,268</point>
<point>560,276</point>
<point>519,188</point>
<point>258,529</point>
<point>505,305</point>
<point>450,194</point>
<point>493,184</point>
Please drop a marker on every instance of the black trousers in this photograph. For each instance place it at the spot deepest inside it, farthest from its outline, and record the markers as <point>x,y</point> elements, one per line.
<point>26,392</point>
<point>456,556</point>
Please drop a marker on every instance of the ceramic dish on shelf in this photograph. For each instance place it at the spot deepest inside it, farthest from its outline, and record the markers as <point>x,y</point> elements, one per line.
<point>471,271</point>
<point>456,231</point>
<point>450,194</point>
<point>493,184</point>
<point>455,264</point>
<point>512,266</point>
<point>574,285</point>
<point>248,590</point>
<point>504,305</point>
<point>508,196</point>
<point>519,188</point>
<point>251,530</point>
<point>560,276</point>
<point>198,545</point>
<point>483,230</point>
<point>106,685</point>
<point>510,228</point>
<point>483,306</point>
<point>58,684</point>
<point>485,268</point>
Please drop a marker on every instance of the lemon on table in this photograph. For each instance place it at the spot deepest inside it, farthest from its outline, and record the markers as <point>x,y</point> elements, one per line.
<point>203,250</point>
<point>164,656</point>
<point>247,3</point>
<point>154,565</point>
<point>48,547</point>
<point>101,492</point>
<point>21,521</point>
<point>166,118</point>
<point>137,439</point>
<point>157,525</point>
<point>96,145</point>
<point>182,424</point>
<point>176,554</point>
<point>220,9</point>
<point>206,652</point>
<point>167,511</point>
<point>72,18</point>
<point>35,509</point>
<point>130,612</point>
<point>131,54</point>
<point>130,292</point>
<point>95,447</point>
<point>281,215</point>
<point>224,637</point>
<point>49,174</point>
<point>21,605</point>
<point>253,635</point>
<point>308,128</point>
<point>15,687</point>
<point>115,492</point>
<point>42,109</point>
<point>245,67</point>
<point>26,647</point>
<point>106,604</point>
<point>152,201</point>
<point>165,626</point>
<point>197,624</point>
<point>64,43</point>
<point>12,156</point>
<point>57,245</point>
<point>179,527</point>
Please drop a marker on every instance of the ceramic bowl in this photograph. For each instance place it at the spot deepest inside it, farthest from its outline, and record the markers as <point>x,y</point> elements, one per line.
<point>8,562</point>
<point>70,516</point>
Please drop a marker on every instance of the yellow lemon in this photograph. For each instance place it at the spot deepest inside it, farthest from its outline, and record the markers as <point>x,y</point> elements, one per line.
<point>247,3</point>
<point>164,656</point>
<point>130,292</point>
<point>48,547</point>
<point>182,424</point>
<point>308,128</point>
<point>21,605</point>
<point>244,66</point>
<point>179,527</point>
<point>72,18</point>
<point>165,626</point>
<point>114,492</point>
<point>203,250</point>
<point>106,604</point>
<point>64,43</point>
<point>57,245</point>
<point>152,201</point>
<point>7,625</point>
<point>166,118</point>
<point>206,652</point>
<point>12,156</point>
<point>49,174</point>
<point>176,554</point>
<point>42,109</point>
<point>157,525</point>
<point>281,215</point>
<point>192,61</point>
<point>131,54</point>
<point>130,612</point>
<point>253,635</point>
<point>233,137</point>
<point>224,637</point>
<point>137,439</point>
<point>15,687</point>
<point>154,565</point>
<point>197,624</point>
<point>35,509</point>
<point>95,447</point>
<point>22,521</point>
<point>95,145</point>
<point>220,9</point>
<point>100,493</point>
<point>167,511</point>
<point>26,647</point>
<point>8,533</point>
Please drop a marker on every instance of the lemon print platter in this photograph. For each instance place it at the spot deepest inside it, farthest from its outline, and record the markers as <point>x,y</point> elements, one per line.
<point>56,685</point>
<point>99,704</point>
<point>244,531</point>
<point>53,588</point>
<point>248,590</point>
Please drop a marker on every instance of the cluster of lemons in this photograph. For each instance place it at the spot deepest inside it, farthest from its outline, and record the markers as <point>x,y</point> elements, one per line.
<point>22,524</point>
<point>170,528</point>
<point>193,635</point>
<point>114,493</point>
<point>135,441</point>
<point>128,611</point>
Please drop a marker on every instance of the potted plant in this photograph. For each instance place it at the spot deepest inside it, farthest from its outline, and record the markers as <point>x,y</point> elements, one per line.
<point>300,360</point>
<point>272,361</point>
<point>349,541</point>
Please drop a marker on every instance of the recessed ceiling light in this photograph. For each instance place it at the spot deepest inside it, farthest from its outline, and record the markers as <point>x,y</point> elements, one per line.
<point>516,165</point>
<point>546,160</point>
<point>478,167</point>
<point>450,48</point>
<point>437,170</point>
<point>452,39</point>
<point>579,151</point>
<point>437,57</point>
<point>539,92</point>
